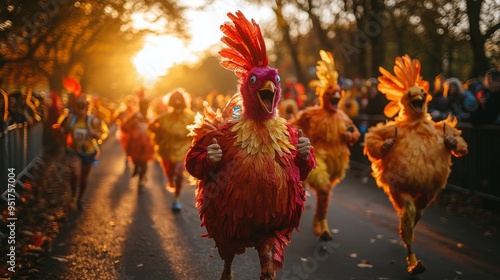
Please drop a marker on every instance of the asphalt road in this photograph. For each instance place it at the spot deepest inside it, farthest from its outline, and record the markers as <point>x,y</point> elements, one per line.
<point>121,234</point>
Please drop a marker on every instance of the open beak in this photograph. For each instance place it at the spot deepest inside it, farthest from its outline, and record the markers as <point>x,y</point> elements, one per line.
<point>267,94</point>
<point>334,99</point>
<point>417,103</point>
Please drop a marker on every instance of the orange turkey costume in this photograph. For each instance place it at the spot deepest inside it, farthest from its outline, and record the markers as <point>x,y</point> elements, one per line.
<point>331,132</point>
<point>411,156</point>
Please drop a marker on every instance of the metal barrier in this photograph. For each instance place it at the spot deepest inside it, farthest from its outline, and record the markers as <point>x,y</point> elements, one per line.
<point>474,173</point>
<point>19,145</point>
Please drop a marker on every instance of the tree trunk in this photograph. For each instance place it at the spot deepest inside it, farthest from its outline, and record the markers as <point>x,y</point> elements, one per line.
<point>316,23</point>
<point>477,40</point>
<point>56,79</point>
<point>285,30</point>
<point>374,29</point>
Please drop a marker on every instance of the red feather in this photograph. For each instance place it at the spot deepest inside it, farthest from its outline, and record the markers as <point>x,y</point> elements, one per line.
<point>72,86</point>
<point>246,48</point>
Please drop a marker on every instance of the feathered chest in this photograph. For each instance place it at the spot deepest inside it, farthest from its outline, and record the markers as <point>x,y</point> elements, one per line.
<point>326,127</point>
<point>420,141</point>
<point>263,139</point>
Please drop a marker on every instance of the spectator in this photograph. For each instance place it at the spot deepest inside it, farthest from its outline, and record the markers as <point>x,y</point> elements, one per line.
<point>348,103</point>
<point>452,102</point>
<point>488,112</point>
<point>471,89</point>
<point>438,101</point>
<point>216,100</point>
<point>295,91</point>
<point>53,137</point>
<point>17,108</point>
<point>4,110</point>
<point>374,102</point>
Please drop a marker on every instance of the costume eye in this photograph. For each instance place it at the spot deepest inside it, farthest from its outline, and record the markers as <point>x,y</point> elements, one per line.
<point>253,79</point>
<point>278,79</point>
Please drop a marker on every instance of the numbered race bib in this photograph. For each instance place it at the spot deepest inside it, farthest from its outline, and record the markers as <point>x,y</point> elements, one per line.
<point>79,134</point>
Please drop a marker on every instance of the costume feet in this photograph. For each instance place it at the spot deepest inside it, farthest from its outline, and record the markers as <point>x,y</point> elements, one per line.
<point>321,229</point>
<point>176,206</point>
<point>225,276</point>
<point>414,266</point>
<point>267,276</point>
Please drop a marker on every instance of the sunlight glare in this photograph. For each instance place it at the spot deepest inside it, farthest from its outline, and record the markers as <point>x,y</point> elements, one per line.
<point>158,55</point>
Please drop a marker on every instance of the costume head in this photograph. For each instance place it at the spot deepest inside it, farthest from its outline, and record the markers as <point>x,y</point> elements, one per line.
<point>178,99</point>
<point>246,55</point>
<point>327,87</point>
<point>407,91</point>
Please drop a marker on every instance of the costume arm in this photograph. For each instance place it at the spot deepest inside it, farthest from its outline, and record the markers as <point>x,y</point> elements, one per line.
<point>461,148</point>
<point>305,165</point>
<point>352,134</point>
<point>197,162</point>
<point>373,143</point>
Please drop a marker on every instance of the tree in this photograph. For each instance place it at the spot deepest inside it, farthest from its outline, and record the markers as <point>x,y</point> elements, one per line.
<point>481,14</point>
<point>55,37</point>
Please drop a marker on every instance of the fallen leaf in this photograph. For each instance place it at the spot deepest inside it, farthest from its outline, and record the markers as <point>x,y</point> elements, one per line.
<point>365,264</point>
<point>27,233</point>
<point>60,259</point>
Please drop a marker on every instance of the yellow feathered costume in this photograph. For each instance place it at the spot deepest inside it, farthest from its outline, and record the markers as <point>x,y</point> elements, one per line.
<point>331,133</point>
<point>411,156</point>
<point>172,140</point>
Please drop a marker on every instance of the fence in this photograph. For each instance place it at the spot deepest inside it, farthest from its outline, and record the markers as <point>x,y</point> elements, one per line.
<point>19,146</point>
<point>477,173</point>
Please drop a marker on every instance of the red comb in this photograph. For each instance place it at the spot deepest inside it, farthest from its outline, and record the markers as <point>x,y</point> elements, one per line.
<point>246,48</point>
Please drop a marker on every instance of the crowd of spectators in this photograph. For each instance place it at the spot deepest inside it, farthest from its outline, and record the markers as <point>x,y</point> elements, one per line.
<point>19,107</point>
<point>474,101</point>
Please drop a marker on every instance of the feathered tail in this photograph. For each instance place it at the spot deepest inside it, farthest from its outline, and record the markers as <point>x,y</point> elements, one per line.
<point>212,120</point>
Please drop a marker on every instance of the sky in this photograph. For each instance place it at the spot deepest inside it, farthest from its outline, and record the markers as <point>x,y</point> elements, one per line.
<point>161,52</point>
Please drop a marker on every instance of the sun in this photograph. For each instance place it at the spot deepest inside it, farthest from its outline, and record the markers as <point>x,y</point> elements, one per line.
<point>158,55</point>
